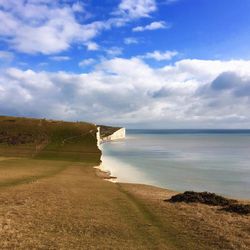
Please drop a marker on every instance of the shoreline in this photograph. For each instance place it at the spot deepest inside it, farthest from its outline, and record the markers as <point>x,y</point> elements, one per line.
<point>106,175</point>
<point>133,175</point>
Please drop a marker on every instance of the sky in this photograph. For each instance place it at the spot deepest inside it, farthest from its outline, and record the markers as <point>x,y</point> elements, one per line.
<point>133,63</point>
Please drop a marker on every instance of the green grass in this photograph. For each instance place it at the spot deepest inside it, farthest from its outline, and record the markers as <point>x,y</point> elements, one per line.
<point>47,139</point>
<point>23,171</point>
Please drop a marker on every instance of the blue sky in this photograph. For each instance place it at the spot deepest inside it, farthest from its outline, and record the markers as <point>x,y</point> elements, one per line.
<point>140,63</point>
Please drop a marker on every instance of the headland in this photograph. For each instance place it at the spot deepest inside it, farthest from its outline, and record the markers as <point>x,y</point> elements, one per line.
<point>51,197</point>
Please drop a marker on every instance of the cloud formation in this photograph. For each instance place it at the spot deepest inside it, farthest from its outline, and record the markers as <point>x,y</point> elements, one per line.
<point>230,83</point>
<point>136,8</point>
<point>86,62</point>
<point>160,56</point>
<point>92,46</point>
<point>130,40</point>
<point>50,27</point>
<point>152,26</point>
<point>60,58</point>
<point>43,26</point>
<point>189,93</point>
<point>114,51</point>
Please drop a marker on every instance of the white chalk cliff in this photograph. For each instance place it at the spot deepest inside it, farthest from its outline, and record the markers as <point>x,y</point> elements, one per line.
<point>117,135</point>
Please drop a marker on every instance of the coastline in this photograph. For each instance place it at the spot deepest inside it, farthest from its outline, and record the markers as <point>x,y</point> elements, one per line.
<point>106,173</point>
<point>167,161</point>
<point>201,226</point>
<point>110,134</point>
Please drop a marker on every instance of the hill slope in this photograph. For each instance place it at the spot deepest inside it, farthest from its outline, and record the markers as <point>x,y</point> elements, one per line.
<point>47,139</point>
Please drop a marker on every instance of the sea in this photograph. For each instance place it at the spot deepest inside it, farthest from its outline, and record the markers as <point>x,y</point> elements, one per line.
<point>199,160</point>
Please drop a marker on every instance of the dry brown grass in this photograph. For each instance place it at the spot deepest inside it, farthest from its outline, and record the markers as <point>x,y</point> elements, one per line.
<point>73,210</point>
<point>65,205</point>
<point>203,226</point>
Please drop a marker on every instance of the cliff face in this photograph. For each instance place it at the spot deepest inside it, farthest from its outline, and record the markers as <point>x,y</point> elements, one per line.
<point>115,134</point>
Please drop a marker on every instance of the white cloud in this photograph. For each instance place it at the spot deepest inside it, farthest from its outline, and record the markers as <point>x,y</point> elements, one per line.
<point>136,8</point>
<point>30,79</point>
<point>60,58</point>
<point>114,51</point>
<point>152,26</point>
<point>86,62</point>
<point>160,56</point>
<point>44,26</point>
<point>78,7</point>
<point>92,46</point>
<point>49,27</point>
<point>130,40</point>
<point>188,93</point>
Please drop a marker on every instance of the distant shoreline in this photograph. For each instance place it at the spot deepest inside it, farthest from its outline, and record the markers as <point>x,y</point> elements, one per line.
<point>191,131</point>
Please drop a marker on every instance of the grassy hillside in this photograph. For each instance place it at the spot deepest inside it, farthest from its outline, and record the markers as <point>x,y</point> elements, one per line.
<point>47,139</point>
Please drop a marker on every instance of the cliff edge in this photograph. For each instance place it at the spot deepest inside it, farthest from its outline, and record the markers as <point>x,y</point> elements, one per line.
<point>106,133</point>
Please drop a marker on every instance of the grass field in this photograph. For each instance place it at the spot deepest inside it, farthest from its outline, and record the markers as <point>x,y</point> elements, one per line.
<point>53,198</point>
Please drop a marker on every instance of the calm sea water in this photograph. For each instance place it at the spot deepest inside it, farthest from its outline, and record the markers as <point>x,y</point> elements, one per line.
<point>201,160</point>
